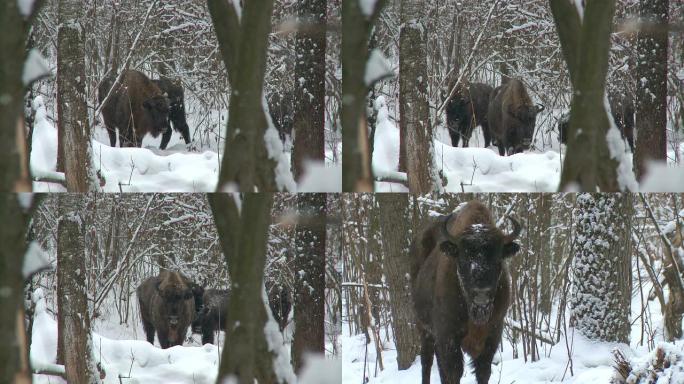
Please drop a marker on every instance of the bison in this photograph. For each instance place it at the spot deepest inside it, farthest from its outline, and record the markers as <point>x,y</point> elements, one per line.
<point>461,290</point>
<point>136,107</point>
<point>466,110</point>
<point>512,116</point>
<point>167,306</point>
<point>282,109</point>
<point>622,109</point>
<point>213,314</point>
<point>176,97</point>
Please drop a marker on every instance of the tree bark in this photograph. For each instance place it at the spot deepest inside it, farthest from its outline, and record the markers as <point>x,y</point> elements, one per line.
<point>243,236</point>
<point>309,298</point>
<point>651,95</point>
<point>14,157</point>
<point>14,366</point>
<point>356,162</point>
<point>601,293</point>
<point>246,164</point>
<point>72,114</point>
<point>588,165</point>
<point>413,98</point>
<point>74,317</point>
<point>394,222</point>
<point>309,117</point>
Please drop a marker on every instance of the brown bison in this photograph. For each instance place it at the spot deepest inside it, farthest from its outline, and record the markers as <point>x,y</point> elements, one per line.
<point>213,315</point>
<point>512,117</point>
<point>176,97</point>
<point>460,287</point>
<point>466,110</point>
<point>167,306</point>
<point>622,109</point>
<point>137,107</point>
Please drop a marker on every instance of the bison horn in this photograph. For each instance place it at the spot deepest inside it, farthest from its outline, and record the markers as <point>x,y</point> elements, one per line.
<point>540,108</point>
<point>516,230</point>
<point>445,229</point>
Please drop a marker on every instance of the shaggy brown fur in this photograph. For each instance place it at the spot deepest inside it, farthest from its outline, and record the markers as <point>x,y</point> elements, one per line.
<point>460,286</point>
<point>167,306</point>
<point>512,117</point>
<point>137,107</point>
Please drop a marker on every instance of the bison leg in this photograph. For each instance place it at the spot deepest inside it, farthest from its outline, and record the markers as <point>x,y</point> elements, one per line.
<point>427,353</point>
<point>112,136</point>
<point>502,149</point>
<point>483,363</point>
<point>449,362</point>
<point>207,334</point>
<point>485,133</point>
<point>454,134</point>
<point>166,137</point>
<point>163,337</point>
<point>149,331</point>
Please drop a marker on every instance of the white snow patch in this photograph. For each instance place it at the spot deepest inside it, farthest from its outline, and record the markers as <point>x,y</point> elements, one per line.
<point>35,259</point>
<point>26,7</point>
<point>377,67</point>
<point>386,150</point>
<point>35,67</point>
<point>321,178</point>
<point>367,7</point>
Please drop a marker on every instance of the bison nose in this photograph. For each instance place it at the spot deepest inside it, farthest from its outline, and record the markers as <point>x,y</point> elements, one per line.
<point>481,295</point>
<point>527,141</point>
<point>173,320</point>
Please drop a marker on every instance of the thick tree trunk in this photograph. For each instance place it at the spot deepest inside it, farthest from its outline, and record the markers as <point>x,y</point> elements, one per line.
<point>394,222</point>
<point>651,96</point>
<point>600,301</point>
<point>74,324</point>
<point>309,297</point>
<point>588,165</point>
<point>72,113</point>
<point>246,164</point>
<point>309,117</point>
<point>14,367</point>
<point>356,161</point>
<point>243,236</point>
<point>413,99</point>
<point>14,175</point>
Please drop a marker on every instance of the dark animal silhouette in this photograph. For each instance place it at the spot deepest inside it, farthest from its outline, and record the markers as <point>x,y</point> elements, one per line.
<point>136,107</point>
<point>213,315</point>
<point>281,107</point>
<point>466,110</point>
<point>461,290</point>
<point>512,117</point>
<point>280,301</point>
<point>167,306</point>
<point>175,93</point>
<point>622,109</point>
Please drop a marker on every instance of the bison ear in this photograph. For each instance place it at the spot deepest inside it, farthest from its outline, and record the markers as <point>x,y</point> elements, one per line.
<point>510,249</point>
<point>448,248</point>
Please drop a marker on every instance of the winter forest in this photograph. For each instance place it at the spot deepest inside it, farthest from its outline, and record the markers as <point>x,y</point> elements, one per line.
<point>594,288</point>
<point>104,271</point>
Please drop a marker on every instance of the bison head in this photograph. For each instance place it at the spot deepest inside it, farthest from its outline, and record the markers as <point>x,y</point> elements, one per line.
<point>175,293</point>
<point>157,109</point>
<point>479,251</point>
<point>526,115</point>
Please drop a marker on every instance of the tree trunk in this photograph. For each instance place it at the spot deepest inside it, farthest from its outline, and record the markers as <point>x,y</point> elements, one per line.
<point>74,324</point>
<point>394,222</point>
<point>243,236</point>
<point>651,95</point>
<point>413,99</point>
<point>601,293</point>
<point>14,174</point>
<point>588,164</point>
<point>309,297</point>
<point>309,117</point>
<point>246,165</point>
<point>14,366</point>
<point>356,162</point>
<point>72,113</point>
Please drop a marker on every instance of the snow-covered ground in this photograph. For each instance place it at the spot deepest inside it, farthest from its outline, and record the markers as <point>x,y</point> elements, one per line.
<point>149,169</point>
